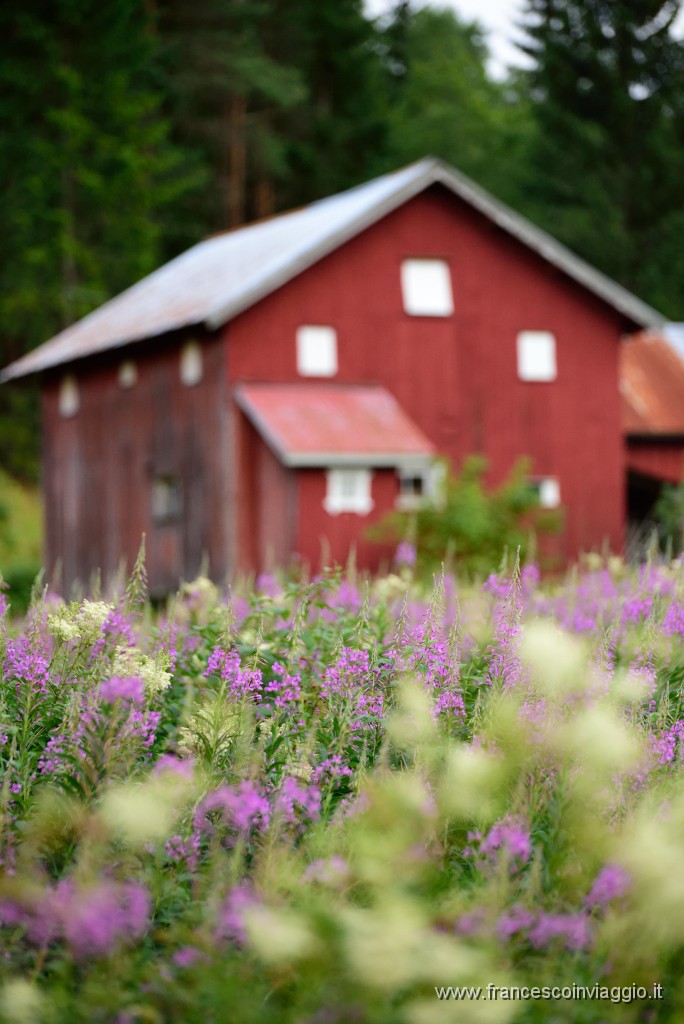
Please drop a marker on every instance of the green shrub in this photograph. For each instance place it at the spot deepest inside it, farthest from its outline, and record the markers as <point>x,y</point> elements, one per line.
<point>471,525</point>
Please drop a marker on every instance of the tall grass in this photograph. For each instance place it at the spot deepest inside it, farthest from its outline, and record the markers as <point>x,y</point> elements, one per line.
<point>331,802</point>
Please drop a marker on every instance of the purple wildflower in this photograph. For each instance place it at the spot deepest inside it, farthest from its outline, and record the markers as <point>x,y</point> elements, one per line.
<point>508,836</point>
<point>611,883</point>
<point>405,555</point>
<point>241,682</point>
<point>572,930</point>
<point>517,919</point>
<point>332,871</point>
<point>240,808</point>
<point>333,769</point>
<point>188,956</point>
<point>297,804</point>
<point>231,917</point>
<point>129,688</point>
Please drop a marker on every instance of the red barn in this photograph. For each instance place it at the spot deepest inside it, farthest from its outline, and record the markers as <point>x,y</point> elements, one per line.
<point>274,390</point>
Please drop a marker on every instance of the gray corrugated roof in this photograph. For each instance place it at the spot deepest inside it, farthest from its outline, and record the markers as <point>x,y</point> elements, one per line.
<point>217,279</point>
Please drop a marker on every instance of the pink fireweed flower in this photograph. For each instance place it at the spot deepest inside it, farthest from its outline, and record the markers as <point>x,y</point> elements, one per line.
<point>517,919</point>
<point>184,767</point>
<point>93,920</point>
<point>188,956</point>
<point>450,705</point>
<point>241,682</point>
<point>179,850</point>
<point>241,808</point>
<point>508,836</point>
<point>333,769</point>
<point>405,555</point>
<point>570,930</point>
<point>28,661</point>
<point>231,916</point>
<point>611,883</point>
<point>666,746</point>
<point>673,623</point>
<point>297,805</point>
<point>129,688</point>
<point>331,871</point>
<point>281,693</point>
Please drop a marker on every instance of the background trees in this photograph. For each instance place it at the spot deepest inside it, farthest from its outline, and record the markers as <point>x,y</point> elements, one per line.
<point>606,161</point>
<point>129,129</point>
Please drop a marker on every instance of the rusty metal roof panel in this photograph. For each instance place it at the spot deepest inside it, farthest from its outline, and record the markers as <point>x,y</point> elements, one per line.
<point>219,278</point>
<point>334,425</point>
<point>652,387</point>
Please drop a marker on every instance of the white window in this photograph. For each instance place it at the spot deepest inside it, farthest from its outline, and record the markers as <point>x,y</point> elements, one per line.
<point>348,490</point>
<point>316,351</point>
<point>128,374</point>
<point>426,288</point>
<point>167,502</point>
<point>547,489</point>
<point>536,355</point>
<point>191,364</point>
<point>69,398</point>
<point>418,486</point>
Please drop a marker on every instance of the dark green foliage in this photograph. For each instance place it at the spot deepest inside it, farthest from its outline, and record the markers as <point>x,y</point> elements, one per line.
<point>669,514</point>
<point>444,103</point>
<point>606,161</point>
<point>472,524</point>
<point>86,172</point>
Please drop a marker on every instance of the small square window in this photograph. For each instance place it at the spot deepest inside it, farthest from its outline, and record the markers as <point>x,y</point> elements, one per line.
<point>191,364</point>
<point>69,397</point>
<point>426,288</point>
<point>128,374</point>
<point>536,355</point>
<point>167,503</point>
<point>547,489</point>
<point>413,488</point>
<point>420,486</point>
<point>348,490</point>
<point>316,351</point>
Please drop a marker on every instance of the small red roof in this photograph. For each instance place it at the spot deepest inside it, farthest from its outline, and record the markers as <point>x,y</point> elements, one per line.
<point>652,387</point>
<point>334,425</point>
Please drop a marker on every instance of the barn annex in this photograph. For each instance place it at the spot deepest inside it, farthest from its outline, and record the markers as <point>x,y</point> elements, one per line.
<point>652,388</point>
<point>273,390</point>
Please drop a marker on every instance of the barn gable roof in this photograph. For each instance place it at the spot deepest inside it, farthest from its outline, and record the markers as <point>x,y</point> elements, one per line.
<point>224,275</point>
<point>652,388</point>
<point>334,425</point>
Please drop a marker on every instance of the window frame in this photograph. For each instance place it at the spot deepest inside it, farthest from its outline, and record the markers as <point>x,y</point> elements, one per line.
<point>191,369</point>
<point>166,499</point>
<point>339,498</point>
<point>69,397</point>
<point>526,358</point>
<point>305,339</point>
<point>548,482</point>
<point>413,290</point>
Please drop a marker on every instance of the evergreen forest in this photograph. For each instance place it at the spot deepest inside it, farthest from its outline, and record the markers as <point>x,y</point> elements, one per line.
<point>131,129</point>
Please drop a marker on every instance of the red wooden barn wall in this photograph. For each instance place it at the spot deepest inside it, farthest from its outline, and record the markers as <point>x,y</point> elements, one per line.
<point>457,377</point>
<point>660,458</point>
<point>99,466</point>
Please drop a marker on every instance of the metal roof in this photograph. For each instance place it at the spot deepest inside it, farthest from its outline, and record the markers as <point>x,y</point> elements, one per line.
<point>217,279</point>
<point>652,387</point>
<point>334,425</point>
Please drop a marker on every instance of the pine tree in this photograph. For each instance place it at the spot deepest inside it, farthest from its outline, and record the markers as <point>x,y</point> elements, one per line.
<point>335,136</point>
<point>607,162</point>
<point>225,91</point>
<point>86,173</point>
<point>443,102</point>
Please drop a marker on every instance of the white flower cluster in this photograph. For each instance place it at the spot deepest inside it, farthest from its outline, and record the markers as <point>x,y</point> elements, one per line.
<point>81,623</point>
<point>154,671</point>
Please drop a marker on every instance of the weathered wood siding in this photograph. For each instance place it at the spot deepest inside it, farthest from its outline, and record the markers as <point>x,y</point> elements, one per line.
<point>101,464</point>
